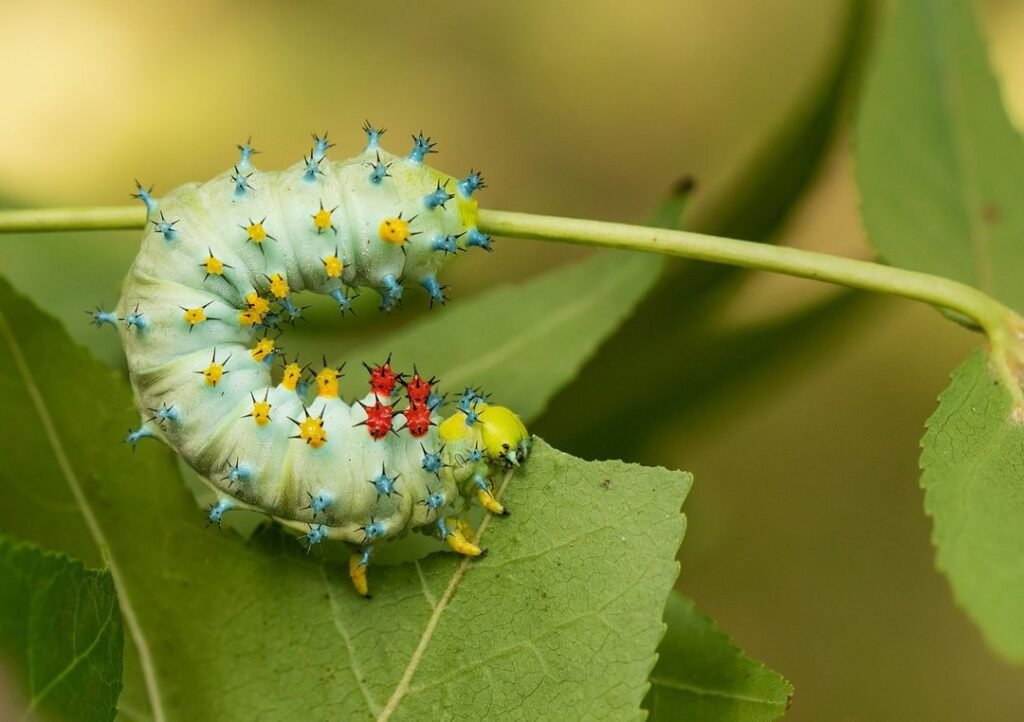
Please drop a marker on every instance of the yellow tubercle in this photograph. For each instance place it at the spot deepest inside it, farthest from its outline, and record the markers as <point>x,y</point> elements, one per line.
<point>214,266</point>
<point>261,412</point>
<point>263,348</point>
<point>248,317</point>
<point>488,502</point>
<point>357,573</point>
<point>394,230</point>
<point>292,374</point>
<point>259,305</point>
<point>213,373</point>
<point>322,219</point>
<point>459,542</point>
<point>278,286</point>
<point>195,315</point>
<point>256,232</point>
<point>311,430</point>
<point>333,266</point>
<point>327,382</point>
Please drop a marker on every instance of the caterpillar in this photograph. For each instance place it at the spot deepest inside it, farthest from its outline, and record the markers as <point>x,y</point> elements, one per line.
<point>200,318</point>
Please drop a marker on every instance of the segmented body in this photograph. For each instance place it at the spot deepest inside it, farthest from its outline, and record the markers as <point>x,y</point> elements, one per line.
<point>201,310</point>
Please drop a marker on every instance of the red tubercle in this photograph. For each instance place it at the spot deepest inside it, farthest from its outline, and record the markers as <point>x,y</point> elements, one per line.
<point>383,378</point>
<point>417,419</point>
<point>379,419</point>
<point>418,389</point>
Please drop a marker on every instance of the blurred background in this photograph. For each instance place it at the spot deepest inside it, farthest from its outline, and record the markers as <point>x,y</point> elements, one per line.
<point>798,409</point>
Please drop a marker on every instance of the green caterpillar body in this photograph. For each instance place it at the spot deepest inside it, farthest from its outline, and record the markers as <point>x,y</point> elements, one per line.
<point>212,285</point>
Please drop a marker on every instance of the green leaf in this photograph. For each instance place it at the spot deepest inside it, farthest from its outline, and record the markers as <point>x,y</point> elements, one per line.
<point>701,676</point>
<point>672,321</point>
<point>60,635</point>
<point>939,165</point>
<point>941,173</point>
<point>759,201</point>
<point>523,342</point>
<point>973,461</point>
<point>564,614</point>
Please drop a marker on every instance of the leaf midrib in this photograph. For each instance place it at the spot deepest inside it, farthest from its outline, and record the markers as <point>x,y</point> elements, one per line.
<point>92,524</point>
<point>405,682</point>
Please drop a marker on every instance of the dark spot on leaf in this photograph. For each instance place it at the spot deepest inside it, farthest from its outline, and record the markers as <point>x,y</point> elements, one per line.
<point>991,213</point>
<point>606,484</point>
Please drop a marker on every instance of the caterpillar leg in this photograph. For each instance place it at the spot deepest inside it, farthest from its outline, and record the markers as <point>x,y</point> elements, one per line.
<point>357,564</point>
<point>486,498</point>
<point>455,532</point>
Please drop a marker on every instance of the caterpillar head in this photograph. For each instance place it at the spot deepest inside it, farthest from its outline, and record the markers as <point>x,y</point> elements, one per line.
<point>496,429</point>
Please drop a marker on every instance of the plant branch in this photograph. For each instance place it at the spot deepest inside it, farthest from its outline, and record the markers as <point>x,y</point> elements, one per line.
<point>39,220</point>
<point>943,293</point>
<point>998,322</point>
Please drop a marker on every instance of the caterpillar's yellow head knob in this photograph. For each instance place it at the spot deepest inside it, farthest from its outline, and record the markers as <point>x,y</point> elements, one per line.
<point>501,433</point>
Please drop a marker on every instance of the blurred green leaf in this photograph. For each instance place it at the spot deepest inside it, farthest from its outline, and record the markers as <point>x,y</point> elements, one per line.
<point>60,635</point>
<point>939,165</point>
<point>941,174</point>
<point>637,376</point>
<point>595,542</point>
<point>522,342</point>
<point>760,201</point>
<point>701,676</point>
<point>973,462</point>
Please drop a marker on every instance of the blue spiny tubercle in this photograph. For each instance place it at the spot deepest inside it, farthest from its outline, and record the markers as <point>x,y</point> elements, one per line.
<point>166,414</point>
<point>344,301</point>
<point>216,513</point>
<point>471,183</point>
<point>384,484</point>
<point>379,170</point>
<point>373,136</point>
<point>312,168</point>
<point>437,197</point>
<point>374,530</point>
<point>320,146</point>
<point>134,437</point>
<point>431,462</point>
<point>146,196</point>
<point>391,293</point>
<point>100,317</point>
<point>434,289</point>
<point>421,146</point>
<point>165,227</point>
<point>319,503</point>
<point>245,154</point>
<point>446,244</point>
<point>241,182</point>
<point>136,320</point>
<point>316,534</point>
<point>238,472</point>
<point>475,238</point>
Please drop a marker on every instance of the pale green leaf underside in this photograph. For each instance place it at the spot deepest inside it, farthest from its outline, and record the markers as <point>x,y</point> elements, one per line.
<point>564,613</point>
<point>939,165</point>
<point>701,676</point>
<point>973,463</point>
<point>60,636</point>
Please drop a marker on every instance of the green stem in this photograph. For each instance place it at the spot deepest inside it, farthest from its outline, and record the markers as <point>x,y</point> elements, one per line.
<point>998,322</point>
<point>37,220</point>
<point>965,300</point>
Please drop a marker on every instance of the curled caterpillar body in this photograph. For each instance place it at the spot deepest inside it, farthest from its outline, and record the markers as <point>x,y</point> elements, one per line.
<point>200,317</point>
